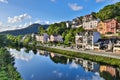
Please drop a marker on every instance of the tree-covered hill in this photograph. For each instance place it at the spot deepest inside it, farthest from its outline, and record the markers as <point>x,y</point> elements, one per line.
<point>28,30</point>
<point>109,12</point>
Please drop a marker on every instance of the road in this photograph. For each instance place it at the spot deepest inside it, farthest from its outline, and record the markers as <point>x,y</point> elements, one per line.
<point>99,53</point>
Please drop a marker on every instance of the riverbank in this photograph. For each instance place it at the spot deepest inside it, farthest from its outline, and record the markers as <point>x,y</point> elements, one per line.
<point>96,58</point>
<point>7,69</point>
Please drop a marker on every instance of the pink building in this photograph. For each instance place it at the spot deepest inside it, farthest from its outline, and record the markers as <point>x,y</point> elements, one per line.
<point>111,26</point>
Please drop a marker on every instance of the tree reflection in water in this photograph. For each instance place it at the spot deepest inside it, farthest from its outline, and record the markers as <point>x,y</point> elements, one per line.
<point>89,70</point>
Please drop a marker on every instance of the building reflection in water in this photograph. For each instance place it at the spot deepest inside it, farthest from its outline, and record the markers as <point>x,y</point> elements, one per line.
<point>110,72</point>
<point>58,58</point>
<point>108,69</point>
<point>107,72</point>
<point>42,52</point>
<point>88,65</point>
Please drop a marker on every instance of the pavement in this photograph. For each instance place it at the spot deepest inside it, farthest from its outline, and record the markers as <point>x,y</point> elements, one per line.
<point>92,52</point>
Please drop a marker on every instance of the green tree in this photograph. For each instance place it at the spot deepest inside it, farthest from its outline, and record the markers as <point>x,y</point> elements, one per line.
<point>110,12</point>
<point>41,30</point>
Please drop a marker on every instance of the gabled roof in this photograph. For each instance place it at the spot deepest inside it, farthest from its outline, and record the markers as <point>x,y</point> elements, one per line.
<point>106,21</point>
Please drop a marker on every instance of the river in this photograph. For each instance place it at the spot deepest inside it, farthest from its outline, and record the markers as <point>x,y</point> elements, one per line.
<point>44,65</point>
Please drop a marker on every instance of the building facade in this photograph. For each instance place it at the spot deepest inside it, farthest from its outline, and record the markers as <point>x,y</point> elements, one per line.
<point>87,39</point>
<point>116,48</point>
<point>76,23</point>
<point>90,25</point>
<point>43,38</point>
<point>101,28</point>
<point>56,38</point>
<point>90,22</point>
<point>107,26</point>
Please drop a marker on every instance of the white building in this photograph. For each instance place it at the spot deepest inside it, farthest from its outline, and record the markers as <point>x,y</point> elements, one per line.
<point>90,22</point>
<point>76,26</point>
<point>116,48</point>
<point>76,23</point>
<point>86,40</point>
<point>56,38</point>
<point>42,38</point>
<point>91,25</point>
<point>68,24</point>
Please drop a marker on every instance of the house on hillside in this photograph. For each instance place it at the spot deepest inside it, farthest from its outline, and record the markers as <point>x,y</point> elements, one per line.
<point>68,24</point>
<point>56,38</point>
<point>107,26</point>
<point>118,28</point>
<point>106,44</point>
<point>90,22</point>
<point>116,48</point>
<point>76,23</point>
<point>86,40</point>
<point>43,38</point>
<point>88,17</point>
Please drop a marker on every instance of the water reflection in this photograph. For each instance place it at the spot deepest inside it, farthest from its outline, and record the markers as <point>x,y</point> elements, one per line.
<point>51,66</point>
<point>110,73</point>
<point>22,54</point>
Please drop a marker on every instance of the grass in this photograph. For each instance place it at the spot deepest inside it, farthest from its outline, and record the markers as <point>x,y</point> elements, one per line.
<point>99,59</point>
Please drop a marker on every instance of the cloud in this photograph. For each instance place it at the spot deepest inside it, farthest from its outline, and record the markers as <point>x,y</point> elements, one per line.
<point>75,6</point>
<point>32,76</point>
<point>19,18</point>
<point>53,0</point>
<point>109,1</point>
<point>42,22</point>
<point>37,21</point>
<point>114,1</point>
<point>24,25</point>
<point>22,55</point>
<point>4,1</point>
<point>59,74</point>
<point>47,22</point>
<point>1,23</point>
<point>99,1</point>
<point>95,77</point>
<point>73,65</point>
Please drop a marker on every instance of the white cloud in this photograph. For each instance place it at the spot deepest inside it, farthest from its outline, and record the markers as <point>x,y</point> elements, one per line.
<point>114,1</point>
<point>109,1</point>
<point>99,1</point>
<point>42,21</point>
<point>47,22</point>
<point>53,0</point>
<point>75,6</point>
<point>37,21</point>
<point>32,76</point>
<point>4,1</point>
<point>95,77</point>
<point>19,18</point>
<point>24,25</point>
<point>30,23</point>
<point>1,23</point>
<point>73,65</point>
<point>22,55</point>
<point>59,74</point>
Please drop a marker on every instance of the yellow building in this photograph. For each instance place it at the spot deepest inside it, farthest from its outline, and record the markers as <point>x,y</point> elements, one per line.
<point>108,69</point>
<point>101,27</point>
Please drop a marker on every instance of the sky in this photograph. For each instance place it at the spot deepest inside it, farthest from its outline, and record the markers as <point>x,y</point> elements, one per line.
<point>17,14</point>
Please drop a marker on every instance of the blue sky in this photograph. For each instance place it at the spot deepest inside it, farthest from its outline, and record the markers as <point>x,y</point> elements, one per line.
<point>15,14</point>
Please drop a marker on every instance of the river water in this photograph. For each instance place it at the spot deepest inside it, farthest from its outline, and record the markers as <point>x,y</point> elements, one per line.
<point>44,65</point>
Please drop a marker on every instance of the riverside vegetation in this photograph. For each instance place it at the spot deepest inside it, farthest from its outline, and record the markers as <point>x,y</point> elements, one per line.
<point>7,69</point>
<point>108,12</point>
<point>99,59</point>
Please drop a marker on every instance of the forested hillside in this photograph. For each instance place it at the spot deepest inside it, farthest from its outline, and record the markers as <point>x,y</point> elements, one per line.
<point>109,12</point>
